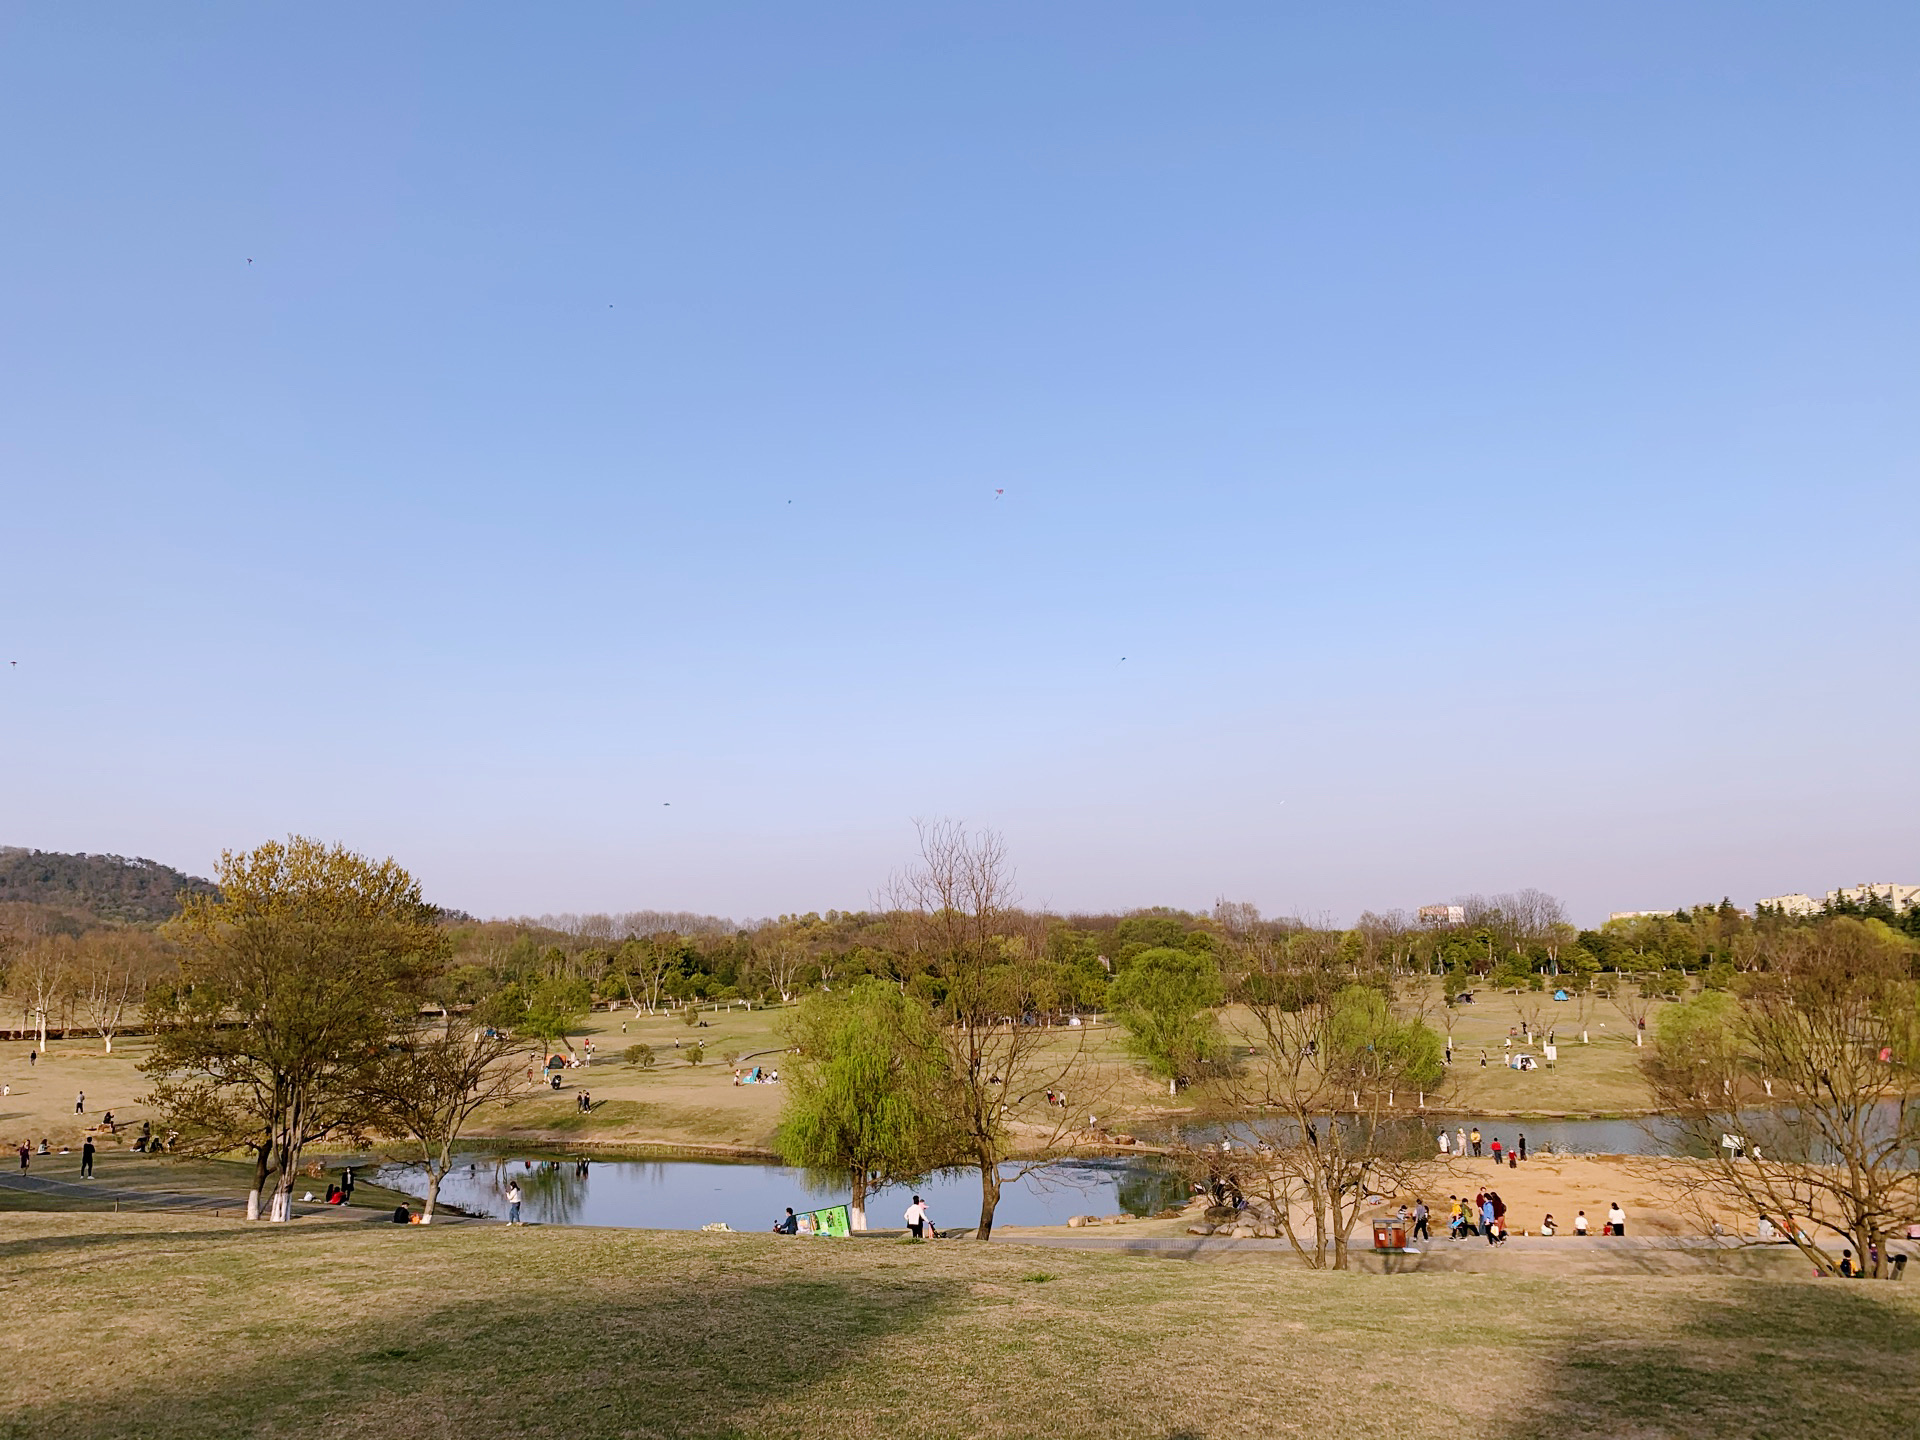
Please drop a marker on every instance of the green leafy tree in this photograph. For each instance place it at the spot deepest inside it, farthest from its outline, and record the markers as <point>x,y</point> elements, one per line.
<point>290,976</point>
<point>864,1093</point>
<point>1166,1000</point>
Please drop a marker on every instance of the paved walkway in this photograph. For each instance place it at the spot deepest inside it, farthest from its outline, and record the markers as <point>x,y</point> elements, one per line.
<point>119,1196</point>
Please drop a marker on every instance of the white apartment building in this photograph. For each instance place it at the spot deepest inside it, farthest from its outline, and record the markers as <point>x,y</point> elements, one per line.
<point>1900,897</point>
<point>1791,904</point>
<point>1636,914</point>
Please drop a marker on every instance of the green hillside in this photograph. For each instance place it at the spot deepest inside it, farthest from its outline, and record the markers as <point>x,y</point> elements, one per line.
<point>107,887</point>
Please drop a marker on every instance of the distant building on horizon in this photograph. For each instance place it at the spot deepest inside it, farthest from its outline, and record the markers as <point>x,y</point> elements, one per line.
<point>1900,897</point>
<point>1443,914</point>
<point>1636,914</point>
<point>1790,904</point>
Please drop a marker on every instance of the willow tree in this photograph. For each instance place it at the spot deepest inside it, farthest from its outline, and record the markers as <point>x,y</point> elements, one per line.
<point>864,1093</point>
<point>1166,1000</point>
<point>289,979</point>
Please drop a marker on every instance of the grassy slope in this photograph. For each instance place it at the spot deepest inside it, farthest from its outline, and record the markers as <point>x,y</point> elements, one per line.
<point>161,1326</point>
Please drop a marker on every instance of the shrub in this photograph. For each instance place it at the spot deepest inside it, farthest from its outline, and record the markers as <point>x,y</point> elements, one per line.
<point>641,1056</point>
<point>690,1016</point>
<point>694,1054</point>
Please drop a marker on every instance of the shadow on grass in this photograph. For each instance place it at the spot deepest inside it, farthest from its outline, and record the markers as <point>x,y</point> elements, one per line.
<point>635,1360</point>
<point>1763,1358</point>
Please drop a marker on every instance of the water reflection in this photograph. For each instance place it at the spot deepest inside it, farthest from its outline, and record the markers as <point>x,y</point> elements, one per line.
<point>686,1194</point>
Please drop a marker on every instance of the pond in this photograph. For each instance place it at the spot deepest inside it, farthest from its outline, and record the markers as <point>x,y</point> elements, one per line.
<point>686,1194</point>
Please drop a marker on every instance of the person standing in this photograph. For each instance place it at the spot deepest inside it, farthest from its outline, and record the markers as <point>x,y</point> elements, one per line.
<point>1445,1142</point>
<point>1420,1215</point>
<point>86,1159</point>
<point>346,1186</point>
<point>26,1153</point>
<point>1617,1219</point>
<point>1523,1145</point>
<point>1475,1137</point>
<point>80,1103</point>
<point>1460,1142</point>
<point>917,1217</point>
<point>1496,1150</point>
<point>513,1202</point>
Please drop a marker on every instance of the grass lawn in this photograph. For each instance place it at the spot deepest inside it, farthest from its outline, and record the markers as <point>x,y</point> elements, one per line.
<point>679,1104</point>
<point>160,1326</point>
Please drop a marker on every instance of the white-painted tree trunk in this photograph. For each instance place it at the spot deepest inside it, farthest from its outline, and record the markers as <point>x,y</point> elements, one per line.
<point>253,1204</point>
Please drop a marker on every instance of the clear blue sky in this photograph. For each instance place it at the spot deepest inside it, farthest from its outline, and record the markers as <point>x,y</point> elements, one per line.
<point>1487,432</point>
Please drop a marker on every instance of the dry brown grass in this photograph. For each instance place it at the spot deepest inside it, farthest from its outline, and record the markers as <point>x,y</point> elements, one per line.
<point>162,1326</point>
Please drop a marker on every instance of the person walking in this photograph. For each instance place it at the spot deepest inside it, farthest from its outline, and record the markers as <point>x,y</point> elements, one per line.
<point>1420,1215</point>
<point>1475,1137</point>
<point>1486,1219</point>
<point>26,1153</point>
<point>513,1202</point>
<point>917,1218</point>
<point>33,1058</point>
<point>86,1159</point>
<point>1616,1219</point>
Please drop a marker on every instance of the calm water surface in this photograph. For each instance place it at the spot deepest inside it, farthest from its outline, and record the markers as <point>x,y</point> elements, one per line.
<point>686,1194</point>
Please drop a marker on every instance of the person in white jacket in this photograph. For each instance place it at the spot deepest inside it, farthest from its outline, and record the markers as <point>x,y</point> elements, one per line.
<point>917,1219</point>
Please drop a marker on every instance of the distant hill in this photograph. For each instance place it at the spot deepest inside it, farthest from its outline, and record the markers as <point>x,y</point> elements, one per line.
<point>108,887</point>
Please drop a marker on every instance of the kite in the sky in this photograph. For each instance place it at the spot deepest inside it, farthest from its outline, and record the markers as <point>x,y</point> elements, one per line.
<point>998,493</point>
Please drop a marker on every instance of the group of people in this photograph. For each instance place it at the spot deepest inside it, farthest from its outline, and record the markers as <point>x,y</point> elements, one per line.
<point>1457,1142</point>
<point>1485,1213</point>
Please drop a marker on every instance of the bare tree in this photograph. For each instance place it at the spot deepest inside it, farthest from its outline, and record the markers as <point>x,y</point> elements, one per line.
<point>438,1070</point>
<point>982,962</point>
<point>1328,1096</point>
<point>1803,1088</point>
<point>115,968</point>
<point>42,977</point>
<point>783,958</point>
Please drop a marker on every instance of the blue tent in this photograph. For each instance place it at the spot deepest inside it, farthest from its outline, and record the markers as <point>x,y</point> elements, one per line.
<point>1561,995</point>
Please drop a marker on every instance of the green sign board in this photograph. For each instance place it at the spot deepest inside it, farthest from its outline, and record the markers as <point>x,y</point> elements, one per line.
<point>830,1221</point>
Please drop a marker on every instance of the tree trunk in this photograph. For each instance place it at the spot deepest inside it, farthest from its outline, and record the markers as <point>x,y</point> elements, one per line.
<point>857,1205</point>
<point>433,1194</point>
<point>989,1196</point>
<point>263,1154</point>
